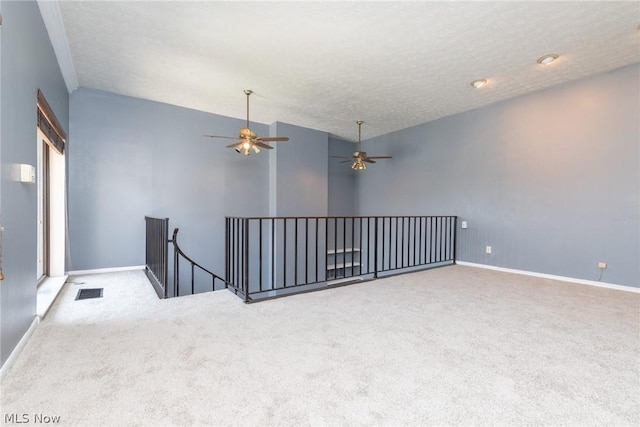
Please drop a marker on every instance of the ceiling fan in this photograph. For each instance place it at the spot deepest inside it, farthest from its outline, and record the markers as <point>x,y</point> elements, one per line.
<point>247,140</point>
<point>359,159</point>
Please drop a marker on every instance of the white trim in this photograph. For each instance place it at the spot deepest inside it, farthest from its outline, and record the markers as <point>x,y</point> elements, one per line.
<point>16,351</point>
<point>52,17</point>
<point>342,251</point>
<point>47,293</point>
<point>105,270</point>
<point>345,280</point>
<point>553,277</point>
<point>342,265</point>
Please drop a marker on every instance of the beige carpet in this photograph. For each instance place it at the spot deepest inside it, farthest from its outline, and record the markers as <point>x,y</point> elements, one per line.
<point>450,346</point>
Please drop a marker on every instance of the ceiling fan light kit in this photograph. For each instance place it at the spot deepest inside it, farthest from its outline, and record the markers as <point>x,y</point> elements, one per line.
<point>247,140</point>
<point>358,164</point>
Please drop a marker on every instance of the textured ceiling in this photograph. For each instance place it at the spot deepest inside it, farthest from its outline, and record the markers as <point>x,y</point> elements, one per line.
<point>323,65</point>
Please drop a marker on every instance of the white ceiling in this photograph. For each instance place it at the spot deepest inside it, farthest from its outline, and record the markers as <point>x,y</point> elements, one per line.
<point>323,65</point>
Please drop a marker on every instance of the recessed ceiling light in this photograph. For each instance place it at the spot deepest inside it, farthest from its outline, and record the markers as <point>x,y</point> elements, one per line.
<point>547,59</point>
<point>479,83</point>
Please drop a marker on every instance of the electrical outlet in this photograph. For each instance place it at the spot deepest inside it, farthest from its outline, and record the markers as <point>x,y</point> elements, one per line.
<point>602,265</point>
<point>488,249</point>
<point>464,224</point>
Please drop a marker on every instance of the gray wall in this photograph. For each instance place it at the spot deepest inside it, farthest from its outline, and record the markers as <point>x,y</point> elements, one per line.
<point>28,63</point>
<point>299,172</point>
<point>549,180</point>
<point>130,157</point>
<point>342,179</point>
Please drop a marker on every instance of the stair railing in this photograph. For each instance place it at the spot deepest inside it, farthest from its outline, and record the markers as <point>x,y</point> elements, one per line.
<point>178,254</point>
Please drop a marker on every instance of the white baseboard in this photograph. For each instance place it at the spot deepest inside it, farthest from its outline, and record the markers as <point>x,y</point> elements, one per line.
<point>553,277</point>
<point>105,270</point>
<point>16,351</point>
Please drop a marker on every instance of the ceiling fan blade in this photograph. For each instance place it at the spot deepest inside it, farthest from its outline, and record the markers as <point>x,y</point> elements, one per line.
<point>379,157</point>
<point>261,145</point>
<point>235,144</point>
<point>368,160</point>
<point>339,157</point>
<point>224,137</point>
<point>273,138</point>
<point>345,161</point>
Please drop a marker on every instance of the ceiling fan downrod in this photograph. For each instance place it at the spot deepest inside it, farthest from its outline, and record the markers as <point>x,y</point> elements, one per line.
<point>248,92</point>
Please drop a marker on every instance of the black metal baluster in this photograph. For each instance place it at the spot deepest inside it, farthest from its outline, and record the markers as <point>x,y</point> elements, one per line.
<point>446,238</point>
<point>240,252</point>
<point>402,244</point>
<point>407,244</point>
<point>423,237</point>
<point>273,253</point>
<point>455,240</point>
<point>439,239</point>
<point>284,281</point>
<point>353,258</point>
<point>415,234</point>
<point>335,248</point>
<point>442,231</point>
<point>326,249</point>
<point>193,289</point>
<point>360,246</point>
<point>176,273</point>
<point>383,242</point>
<point>431,240</point>
<point>344,246</point>
<point>419,240</point>
<point>226,249</point>
<point>447,249</point>
<point>236,259</point>
<point>246,259</point>
<point>370,266</point>
<point>295,250</point>
<point>438,235</point>
<point>260,255</point>
<point>375,247</point>
<point>449,225</point>
<point>396,263</point>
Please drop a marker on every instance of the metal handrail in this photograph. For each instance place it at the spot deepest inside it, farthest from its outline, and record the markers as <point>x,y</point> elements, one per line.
<point>266,256</point>
<point>178,252</point>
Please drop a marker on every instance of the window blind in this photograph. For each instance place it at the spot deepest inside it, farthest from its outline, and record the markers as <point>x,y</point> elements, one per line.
<point>49,125</point>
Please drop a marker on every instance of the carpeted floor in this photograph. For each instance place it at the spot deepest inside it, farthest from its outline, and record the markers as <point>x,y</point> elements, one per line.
<point>449,346</point>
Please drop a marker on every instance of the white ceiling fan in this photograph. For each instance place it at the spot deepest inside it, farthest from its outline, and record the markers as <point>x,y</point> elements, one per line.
<point>247,140</point>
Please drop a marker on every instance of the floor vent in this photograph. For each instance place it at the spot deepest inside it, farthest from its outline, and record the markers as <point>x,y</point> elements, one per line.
<point>89,293</point>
